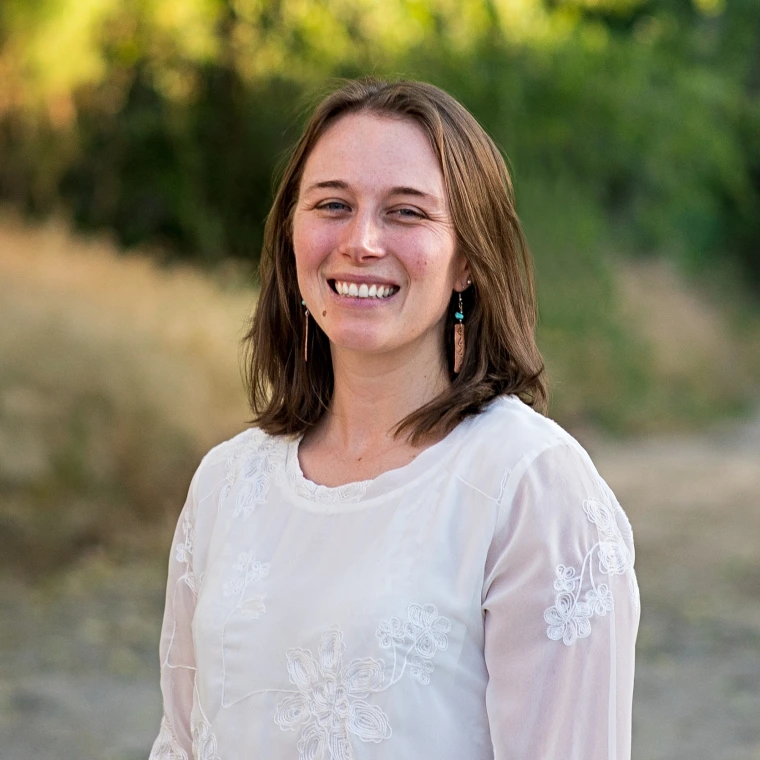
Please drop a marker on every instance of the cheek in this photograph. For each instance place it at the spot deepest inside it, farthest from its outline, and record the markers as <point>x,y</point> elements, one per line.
<point>430,263</point>
<point>311,244</point>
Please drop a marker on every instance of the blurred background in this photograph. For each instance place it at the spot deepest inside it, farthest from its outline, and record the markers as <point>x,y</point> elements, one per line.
<point>139,141</point>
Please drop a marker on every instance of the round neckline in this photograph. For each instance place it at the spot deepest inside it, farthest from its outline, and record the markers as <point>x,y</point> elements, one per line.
<point>360,493</point>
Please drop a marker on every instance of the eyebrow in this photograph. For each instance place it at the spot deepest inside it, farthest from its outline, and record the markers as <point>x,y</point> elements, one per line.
<point>339,184</point>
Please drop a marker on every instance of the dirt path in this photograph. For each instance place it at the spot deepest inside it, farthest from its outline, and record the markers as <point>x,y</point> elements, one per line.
<point>78,674</point>
<point>695,507</point>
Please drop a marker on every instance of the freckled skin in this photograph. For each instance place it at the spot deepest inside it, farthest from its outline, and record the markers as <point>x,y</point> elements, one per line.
<point>366,227</point>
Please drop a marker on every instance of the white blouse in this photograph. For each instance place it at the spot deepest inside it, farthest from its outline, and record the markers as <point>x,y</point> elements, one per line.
<point>478,603</point>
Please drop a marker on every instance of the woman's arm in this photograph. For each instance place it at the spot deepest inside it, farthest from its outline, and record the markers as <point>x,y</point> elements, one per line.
<point>561,614</point>
<point>174,741</point>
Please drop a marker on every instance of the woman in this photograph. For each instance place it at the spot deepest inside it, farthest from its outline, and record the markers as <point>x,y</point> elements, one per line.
<point>402,559</point>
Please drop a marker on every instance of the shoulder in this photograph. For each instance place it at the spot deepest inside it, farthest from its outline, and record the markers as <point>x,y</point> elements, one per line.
<point>228,461</point>
<point>243,456</point>
<point>509,435</point>
<point>553,484</point>
<point>226,457</point>
<point>494,448</point>
<point>512,422</point>
<point>521,457</point>
<point>246,440</point>
<point>532,446</point>
<point>554,503</point>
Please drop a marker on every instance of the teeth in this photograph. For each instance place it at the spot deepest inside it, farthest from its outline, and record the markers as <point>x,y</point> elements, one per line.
<point>364,291</point>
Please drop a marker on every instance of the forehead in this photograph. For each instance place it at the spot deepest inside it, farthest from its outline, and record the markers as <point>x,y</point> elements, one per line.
<point>369,150</point>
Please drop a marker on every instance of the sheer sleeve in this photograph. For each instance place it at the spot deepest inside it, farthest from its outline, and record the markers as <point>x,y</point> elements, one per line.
<point>176,648</point>
<point>561,612</point>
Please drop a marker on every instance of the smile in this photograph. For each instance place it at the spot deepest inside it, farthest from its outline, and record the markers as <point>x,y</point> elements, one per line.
<point>363,290</point>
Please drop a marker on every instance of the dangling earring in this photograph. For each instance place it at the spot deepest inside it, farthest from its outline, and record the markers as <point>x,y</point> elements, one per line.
<point>305,332</point>
<point>459,337</point>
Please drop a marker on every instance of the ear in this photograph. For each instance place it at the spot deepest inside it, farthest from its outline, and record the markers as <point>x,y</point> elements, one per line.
<point>463,279</point>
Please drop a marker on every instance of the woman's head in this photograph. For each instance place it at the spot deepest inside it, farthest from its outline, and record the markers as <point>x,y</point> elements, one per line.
<point>372,219</point>
<point>340,211</point>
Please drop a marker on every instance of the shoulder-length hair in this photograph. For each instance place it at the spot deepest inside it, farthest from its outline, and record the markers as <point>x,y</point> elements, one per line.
<point>289,395</point>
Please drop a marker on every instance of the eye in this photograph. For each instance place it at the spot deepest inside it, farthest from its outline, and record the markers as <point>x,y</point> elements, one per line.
<point>332,206</point>
<point>408,213</point>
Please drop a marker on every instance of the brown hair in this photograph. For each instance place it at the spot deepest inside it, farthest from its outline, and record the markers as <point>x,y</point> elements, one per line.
<point>288,395</point>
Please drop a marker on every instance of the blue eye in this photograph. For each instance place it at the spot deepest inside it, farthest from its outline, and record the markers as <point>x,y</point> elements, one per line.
<point>333,206</point>
<point>409,212</point>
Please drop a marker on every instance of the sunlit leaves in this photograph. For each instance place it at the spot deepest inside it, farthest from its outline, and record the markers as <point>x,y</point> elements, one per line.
<point>63,52</point>
<point>710,7</point>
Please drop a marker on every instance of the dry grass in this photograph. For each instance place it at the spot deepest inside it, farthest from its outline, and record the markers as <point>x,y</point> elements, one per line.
<point>704,351</point>
<point>116,376</point>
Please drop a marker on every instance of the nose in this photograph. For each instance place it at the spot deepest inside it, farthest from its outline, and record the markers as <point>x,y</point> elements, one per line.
<point>362,237</point>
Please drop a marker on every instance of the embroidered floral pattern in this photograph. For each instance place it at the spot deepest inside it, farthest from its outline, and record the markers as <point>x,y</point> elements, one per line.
<point>614,556</point>
<point>421,669</point>
<point>204,741</point>
<point>166,746</point>
<point>330,702</point>
<point>417,640</point>
<point>330,705</point>
<point>600,599</point>
<point>249,570</point>
<point>390,633</point>
<point>567,580</point>
<point>569,618</point>
<point>252,463</point>
<point>183,551</point>
<point>348,493</point>
<point>423,634</point>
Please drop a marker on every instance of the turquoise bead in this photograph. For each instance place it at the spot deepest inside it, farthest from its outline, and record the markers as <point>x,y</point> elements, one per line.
<point>459,315</point>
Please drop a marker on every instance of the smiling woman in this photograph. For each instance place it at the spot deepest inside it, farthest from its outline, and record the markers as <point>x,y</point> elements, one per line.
<point>403,182</point>
<point>383,225</point>
<point>403,558</point>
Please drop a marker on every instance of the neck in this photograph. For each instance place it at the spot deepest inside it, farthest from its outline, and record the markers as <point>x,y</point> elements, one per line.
<point>373,393</point>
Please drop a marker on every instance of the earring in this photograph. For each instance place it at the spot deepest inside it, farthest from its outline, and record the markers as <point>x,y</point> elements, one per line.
<point>305,332</point>
<point>459,337</point>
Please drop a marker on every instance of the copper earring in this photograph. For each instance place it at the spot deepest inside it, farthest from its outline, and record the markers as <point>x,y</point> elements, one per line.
<point>305,332</point>
<point>459,337</point>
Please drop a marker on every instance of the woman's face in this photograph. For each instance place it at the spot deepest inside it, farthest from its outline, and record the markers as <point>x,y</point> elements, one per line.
<point>374,244</point>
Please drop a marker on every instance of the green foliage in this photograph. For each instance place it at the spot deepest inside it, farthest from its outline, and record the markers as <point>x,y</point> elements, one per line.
<point>165,120</point>
<point>659,148</point>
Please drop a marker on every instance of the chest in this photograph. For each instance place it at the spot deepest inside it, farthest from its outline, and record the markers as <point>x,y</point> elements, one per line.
<point>399,582</point>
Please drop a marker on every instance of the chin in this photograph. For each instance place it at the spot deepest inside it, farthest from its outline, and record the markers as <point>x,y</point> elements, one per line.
<point>360,342</point>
